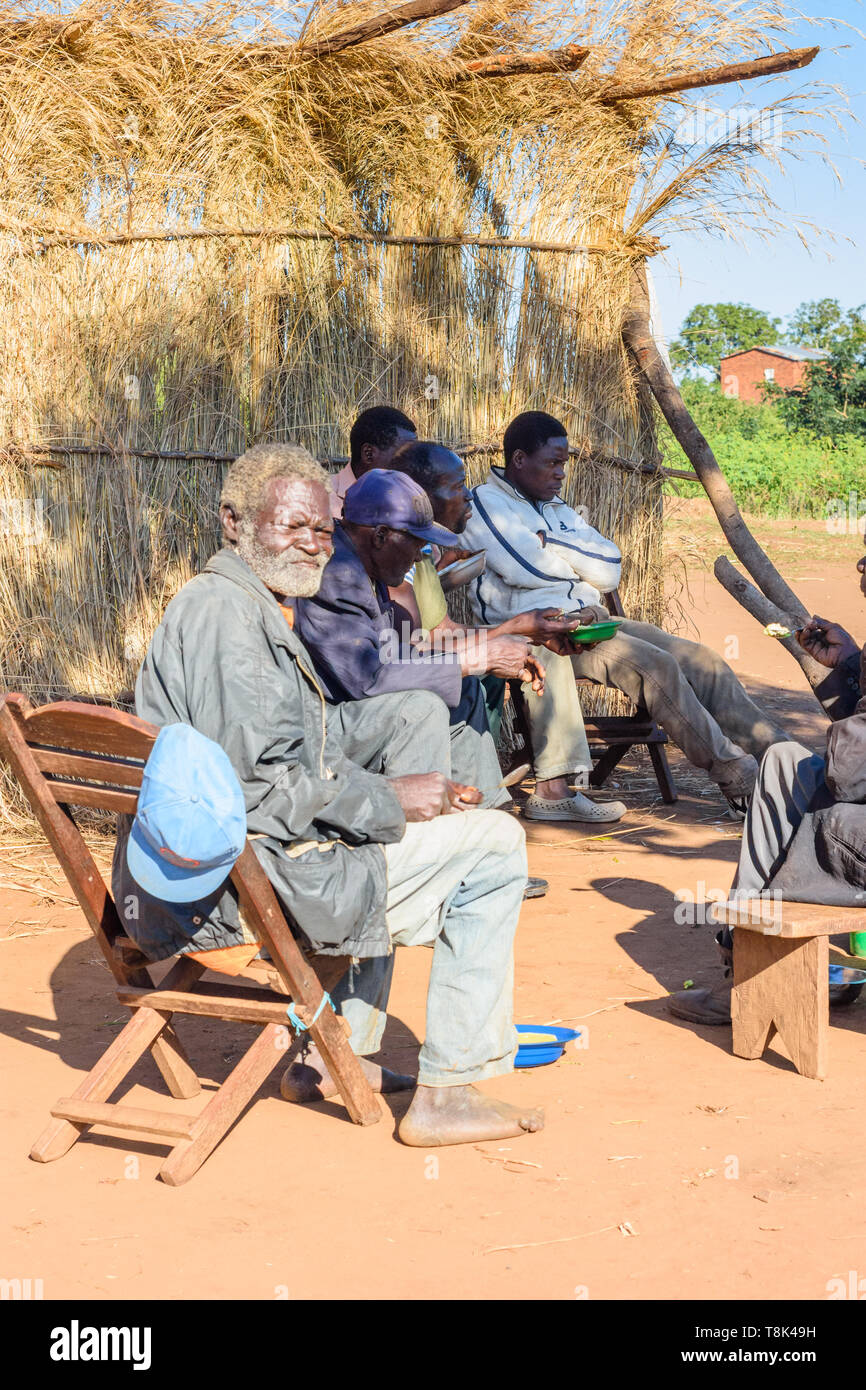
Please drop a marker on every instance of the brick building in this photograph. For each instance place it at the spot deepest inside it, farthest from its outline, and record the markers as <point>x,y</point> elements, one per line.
<point>744,373</point>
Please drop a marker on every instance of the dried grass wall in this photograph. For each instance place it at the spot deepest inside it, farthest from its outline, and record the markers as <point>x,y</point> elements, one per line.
<point>126,333</point>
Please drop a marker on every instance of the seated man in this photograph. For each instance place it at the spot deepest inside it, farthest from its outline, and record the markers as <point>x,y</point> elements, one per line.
<point>349,630</point>
<point>362,857</point>
<point>805,833</point>
<point>373,439</point>
<point>540,550</point>
<point>442,475</point>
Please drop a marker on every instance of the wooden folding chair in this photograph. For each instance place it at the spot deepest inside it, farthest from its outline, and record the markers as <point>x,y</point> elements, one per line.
<point>68,754</point>
<point>611,736</point>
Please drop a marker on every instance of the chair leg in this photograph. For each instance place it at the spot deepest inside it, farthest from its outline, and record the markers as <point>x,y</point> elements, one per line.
<point>782,985</point>
<point>609,759</point>
<point>662,769</point>
<point>170,1056</point>
<point>167,1050</point>
<point>139,1034</point>
<point>221,1112</point>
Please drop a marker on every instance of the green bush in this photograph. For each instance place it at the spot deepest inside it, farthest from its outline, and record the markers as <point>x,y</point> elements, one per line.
<point>770,468</point>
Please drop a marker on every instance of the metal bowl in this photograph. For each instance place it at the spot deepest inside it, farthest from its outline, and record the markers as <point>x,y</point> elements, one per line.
<point>461,572</point>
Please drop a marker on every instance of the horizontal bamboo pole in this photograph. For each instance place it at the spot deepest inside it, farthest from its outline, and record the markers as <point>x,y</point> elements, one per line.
<point>376,27</point>
<point>647,245</point>
<point>27,453</point>
<point>566,59</point>
<point>31,453</point>
<point>611,460</point>
<point>773,63</point>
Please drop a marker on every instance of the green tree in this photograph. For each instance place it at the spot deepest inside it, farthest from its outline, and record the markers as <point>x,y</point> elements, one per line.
<point>832,400</point>
<point>713,331</point>
<point>823,323</point>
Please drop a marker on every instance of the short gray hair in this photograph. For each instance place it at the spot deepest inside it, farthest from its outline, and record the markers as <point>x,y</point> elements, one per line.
<point>245,482</point>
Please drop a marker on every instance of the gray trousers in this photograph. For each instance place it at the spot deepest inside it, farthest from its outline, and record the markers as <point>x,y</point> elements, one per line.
<point>455,883</point>
<point>688,690</point>
<point>419,738</point>
<point>787,781</point>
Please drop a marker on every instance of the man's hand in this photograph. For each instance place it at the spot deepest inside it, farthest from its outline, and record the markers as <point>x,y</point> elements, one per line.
<point>533,673</point>
<point>545,627</point>
<point>593,613</point>
<point>506,656</point>
<point>426,795</point>
<point>827,642</point>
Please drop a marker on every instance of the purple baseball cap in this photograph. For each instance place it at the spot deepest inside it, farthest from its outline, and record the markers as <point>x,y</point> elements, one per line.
<point>385,498</point>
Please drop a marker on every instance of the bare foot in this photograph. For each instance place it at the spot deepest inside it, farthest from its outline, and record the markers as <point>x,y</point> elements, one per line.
<point>310,1080</point>
<point>462,1115</point>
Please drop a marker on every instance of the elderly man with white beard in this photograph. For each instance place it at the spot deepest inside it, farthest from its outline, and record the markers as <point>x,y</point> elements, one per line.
<point>367,840</point>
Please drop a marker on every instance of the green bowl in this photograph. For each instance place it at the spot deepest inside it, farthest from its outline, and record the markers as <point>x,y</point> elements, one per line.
<point>596,632</point>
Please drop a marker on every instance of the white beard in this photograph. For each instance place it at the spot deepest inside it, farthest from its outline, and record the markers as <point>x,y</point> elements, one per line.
<point>283,574</point>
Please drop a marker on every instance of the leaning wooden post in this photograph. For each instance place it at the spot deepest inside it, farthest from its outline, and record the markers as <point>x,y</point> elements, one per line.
<point>638,338</point>
<point>777,600</point>
<point>766,612</point>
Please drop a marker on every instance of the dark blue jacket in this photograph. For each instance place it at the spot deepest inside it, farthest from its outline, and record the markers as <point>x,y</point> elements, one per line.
<point>348,629</point>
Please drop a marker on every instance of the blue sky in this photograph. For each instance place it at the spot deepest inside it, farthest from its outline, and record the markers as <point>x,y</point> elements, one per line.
<point>779,275</point>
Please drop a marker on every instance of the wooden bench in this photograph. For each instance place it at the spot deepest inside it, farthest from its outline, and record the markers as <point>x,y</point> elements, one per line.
<point>781,975</point>
<point>67,755</point>
<point>610,736</point>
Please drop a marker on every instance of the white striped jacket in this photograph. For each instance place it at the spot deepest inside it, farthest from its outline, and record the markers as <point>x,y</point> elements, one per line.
<point>539,554</point>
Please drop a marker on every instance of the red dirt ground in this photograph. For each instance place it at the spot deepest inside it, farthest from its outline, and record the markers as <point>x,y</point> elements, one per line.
<point>668,1168</point>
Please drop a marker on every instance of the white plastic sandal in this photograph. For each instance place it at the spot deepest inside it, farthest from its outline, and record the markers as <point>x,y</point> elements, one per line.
<point>574,808</point>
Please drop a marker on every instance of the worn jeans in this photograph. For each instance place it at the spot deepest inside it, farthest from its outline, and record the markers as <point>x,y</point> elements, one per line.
<point>455,883</point>
<point>687,689</point>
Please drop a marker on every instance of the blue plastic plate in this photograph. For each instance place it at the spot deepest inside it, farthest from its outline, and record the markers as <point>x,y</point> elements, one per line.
<point>847,975</point>
<point>539,1054</point>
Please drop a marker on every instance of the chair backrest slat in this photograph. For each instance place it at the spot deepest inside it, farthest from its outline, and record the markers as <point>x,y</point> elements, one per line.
<point>86,794</point>
<point>109,771</point>
<point>90,729</point>
<point>88,732</point>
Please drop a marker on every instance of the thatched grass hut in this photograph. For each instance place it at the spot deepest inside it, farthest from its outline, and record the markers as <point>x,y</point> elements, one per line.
<point>220,224</point>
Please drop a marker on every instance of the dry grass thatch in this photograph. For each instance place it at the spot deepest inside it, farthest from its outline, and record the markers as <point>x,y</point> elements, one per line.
<point>138,118</point>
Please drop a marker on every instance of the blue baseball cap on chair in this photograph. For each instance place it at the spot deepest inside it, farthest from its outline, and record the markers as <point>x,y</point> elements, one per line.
<point>191,822</point>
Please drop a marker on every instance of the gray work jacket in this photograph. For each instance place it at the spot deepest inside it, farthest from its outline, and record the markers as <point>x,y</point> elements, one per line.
<point>225,660</point>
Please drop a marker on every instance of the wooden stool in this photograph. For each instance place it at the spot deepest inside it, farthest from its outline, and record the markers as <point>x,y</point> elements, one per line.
<point>781,975</point>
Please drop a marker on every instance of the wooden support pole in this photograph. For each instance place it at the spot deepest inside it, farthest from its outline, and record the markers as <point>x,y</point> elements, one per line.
<point>555,60</point>
<point>784,605</point>
<point>766,612</point>
<point>638,338</point>
<point>769,66</point>
<point>375,28</point>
